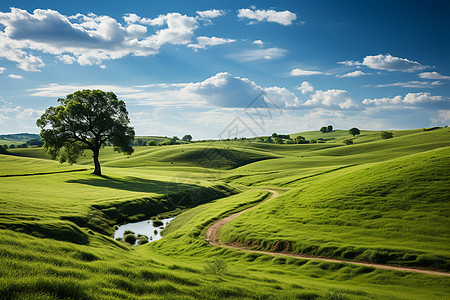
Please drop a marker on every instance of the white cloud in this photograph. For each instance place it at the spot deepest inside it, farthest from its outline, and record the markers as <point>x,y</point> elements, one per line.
<point>442,118</point>
<point>224,90</point>
<point>259,54</point>
<point>306,87</point>
<point>2,70</point>
<point>391,63</point>
<point>353,74</point>
<point>409,99</point>
<point>88,39</point>
<point>412,84</point>
<point>16,118</point>
<point>179,31</point>
<point>300,72</point>
<point>336,99</point>
<point>14,76</point>
<point>282,97</point>
<point>433,75</point>
<point>256,15</point>
<point>67,59</point>
<point>350,63</point>
<point>204,42</point>
<point>258,42</point>
<point>211,13</point>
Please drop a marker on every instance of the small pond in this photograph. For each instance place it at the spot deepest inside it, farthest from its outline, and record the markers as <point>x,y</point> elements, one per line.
<point>145,228</point>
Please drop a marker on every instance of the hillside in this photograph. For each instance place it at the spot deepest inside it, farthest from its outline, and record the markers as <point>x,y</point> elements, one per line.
<point>383,201</point>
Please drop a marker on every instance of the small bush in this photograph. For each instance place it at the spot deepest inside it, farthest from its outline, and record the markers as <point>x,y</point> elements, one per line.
<point>386,135</point>
<point>142,240</point>
<point>348,142</point>
<point>130,238</point>
<point>128,232</point>
<point>119,239</point>
<point>157,223</point>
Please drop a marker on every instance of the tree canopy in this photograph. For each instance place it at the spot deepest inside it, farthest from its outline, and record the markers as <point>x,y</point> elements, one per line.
<point>86,120</point>
<point>187,138</point>
<point>354,131</point>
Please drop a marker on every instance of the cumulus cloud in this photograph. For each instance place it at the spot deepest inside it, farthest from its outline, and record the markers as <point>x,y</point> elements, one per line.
<point>300,72</point>
<point>224,90</point>
<point>2,70</point>
<point>257,15</point>
<point>391,63</point>
<point>91,39</point>
<point>411,99</point>
<point>353,74</point>
<point>386,63</point>
<point>336,99</point>
<point>203,42</point>
<point>258,42</point>
<point>14,76</point>
<point>259,54</point>
<point>306,87</point>
<point>211,13</point>
<point>433,75</point>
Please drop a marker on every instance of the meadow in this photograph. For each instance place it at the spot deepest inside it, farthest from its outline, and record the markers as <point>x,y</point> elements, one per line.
<point>381,201</point>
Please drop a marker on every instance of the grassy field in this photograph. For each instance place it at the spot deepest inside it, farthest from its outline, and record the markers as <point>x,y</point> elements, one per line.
<point>382,201</point>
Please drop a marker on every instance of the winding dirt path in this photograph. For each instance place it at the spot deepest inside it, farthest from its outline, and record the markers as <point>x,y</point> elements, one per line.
<point>212,237</point>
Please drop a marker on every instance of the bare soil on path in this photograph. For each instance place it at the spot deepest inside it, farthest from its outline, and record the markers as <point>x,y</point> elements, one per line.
<point>212,237</point>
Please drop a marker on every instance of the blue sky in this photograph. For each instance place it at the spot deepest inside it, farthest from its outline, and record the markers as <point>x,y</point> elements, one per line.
<point>196,67</point>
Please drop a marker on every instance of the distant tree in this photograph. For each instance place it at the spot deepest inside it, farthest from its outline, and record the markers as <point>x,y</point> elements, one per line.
<point>278,140</point>
<point>261,139</point>
<point>35,142</point>
<point>187,138</point>
<point>23,146</point>
<point>323,129</point>
<point>139,142</point>
<point>348,142</point>
<point>354,131</point>
<point>85,120</point>
<point>151,143</point>
<point>175,138</point>
<point>330,128</point>
<point>284,136</point>
<point>5,146</point>
<point>269,140</point>
<point>274,135</point>
<point>12,146</point>
<point>3,150</point>
<point>299,139</point>
<point>387,135</point>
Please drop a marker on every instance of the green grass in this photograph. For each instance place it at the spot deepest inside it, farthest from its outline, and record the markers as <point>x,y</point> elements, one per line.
<point>377,200</point>
<point>391,212</point>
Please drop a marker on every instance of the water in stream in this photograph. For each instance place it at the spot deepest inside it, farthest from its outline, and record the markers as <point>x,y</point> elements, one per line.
<point>145,228</point>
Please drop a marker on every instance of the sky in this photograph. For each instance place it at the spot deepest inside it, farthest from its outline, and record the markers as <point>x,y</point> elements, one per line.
<point>219,69</point>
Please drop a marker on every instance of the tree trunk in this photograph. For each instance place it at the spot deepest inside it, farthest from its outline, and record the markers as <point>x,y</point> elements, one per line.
<point>97,170</point>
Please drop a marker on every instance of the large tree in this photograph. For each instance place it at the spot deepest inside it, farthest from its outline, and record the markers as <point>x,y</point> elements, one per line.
<point>85,120</point>
<point>354,131</point>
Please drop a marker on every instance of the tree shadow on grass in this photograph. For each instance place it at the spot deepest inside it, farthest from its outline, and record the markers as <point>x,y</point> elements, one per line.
<point>135,184</point>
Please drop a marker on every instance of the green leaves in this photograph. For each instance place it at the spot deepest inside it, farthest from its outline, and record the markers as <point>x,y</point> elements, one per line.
<point>85,120</point>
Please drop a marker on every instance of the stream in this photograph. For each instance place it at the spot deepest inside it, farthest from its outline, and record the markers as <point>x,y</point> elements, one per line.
<point>145,228</point>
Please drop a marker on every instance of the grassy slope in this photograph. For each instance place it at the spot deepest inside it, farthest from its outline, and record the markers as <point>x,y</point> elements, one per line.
<point>98,267</point>
<point>395,211</point>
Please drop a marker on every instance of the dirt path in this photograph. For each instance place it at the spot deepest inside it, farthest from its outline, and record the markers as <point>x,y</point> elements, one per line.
<point>212,237</point>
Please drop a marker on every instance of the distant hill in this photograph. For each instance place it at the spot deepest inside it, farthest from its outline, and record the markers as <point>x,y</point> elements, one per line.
<point>19,137</point>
